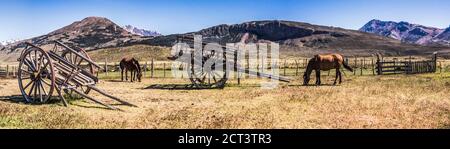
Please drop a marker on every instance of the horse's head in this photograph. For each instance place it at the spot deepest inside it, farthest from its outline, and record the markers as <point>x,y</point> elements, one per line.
<point>306,79</point>
<point>139,70</point>
<point>309,69</point>
<point>139,76</point>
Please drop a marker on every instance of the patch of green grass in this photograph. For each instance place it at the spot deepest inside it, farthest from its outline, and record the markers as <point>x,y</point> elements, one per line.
<point>13,122</point>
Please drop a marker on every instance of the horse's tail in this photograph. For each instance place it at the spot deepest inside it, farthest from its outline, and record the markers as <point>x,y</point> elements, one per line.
<point>121,65</point>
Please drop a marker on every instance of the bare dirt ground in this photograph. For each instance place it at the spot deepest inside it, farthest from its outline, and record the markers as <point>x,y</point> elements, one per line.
<point>414,101</point>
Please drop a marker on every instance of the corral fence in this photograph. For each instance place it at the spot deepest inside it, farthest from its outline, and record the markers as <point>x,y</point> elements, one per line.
<point>8,71</point>
<point>362,66</point>
<point>406,66</point>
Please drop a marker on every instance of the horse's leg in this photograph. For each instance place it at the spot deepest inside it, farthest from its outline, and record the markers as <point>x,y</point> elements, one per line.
<point>340,77</point>
<point>318,77</point>
<point>132,75</point>
<point>126,74</point>
<point>121,74</point>
<point>336,78</point>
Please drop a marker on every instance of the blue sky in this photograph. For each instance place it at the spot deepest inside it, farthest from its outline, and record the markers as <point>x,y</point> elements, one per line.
<point>28,18</point>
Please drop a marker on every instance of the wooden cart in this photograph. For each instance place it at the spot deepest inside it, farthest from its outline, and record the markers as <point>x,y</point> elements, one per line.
<point>65,69</point>
<point>216,78</point>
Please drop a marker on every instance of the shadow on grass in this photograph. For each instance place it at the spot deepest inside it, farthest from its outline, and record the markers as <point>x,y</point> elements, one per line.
<point>18,99</point>
<point>111,80</point>
<point>21,100</point>
<point>179,87</point>
<point>311,85</point>
<point>12,99</point>
<point>91,106</point>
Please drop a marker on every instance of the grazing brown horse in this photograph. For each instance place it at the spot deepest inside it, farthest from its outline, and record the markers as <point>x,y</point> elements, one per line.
<point>325,62</point>
<point>132,65</point>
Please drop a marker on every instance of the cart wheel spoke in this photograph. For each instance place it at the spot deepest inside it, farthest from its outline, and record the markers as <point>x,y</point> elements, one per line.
<point>31,89</point>
<point>26,86</point>
<point>217,74</point>
<point>45,82</point>
<point>26,71</point>
<point>39,91</point>
<point>43,89</point>
<point>29,64</point>
<point>40,62</point>
<point>25,78</point>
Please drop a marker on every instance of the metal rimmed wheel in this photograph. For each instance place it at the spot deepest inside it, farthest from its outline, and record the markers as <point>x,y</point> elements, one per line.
<point>78,61</point>
<point>210,71</point>
<point>36,75</point>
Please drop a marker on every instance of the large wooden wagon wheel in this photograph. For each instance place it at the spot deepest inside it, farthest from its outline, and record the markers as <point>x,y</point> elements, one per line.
<point>36,75</point>
<point>208,76</point>
<point>78,61</point>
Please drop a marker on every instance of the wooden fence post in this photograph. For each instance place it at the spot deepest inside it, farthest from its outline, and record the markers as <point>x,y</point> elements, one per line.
<point>106,66</point>
<point>7,71</point>
<point>284,72</point>
<point>395,69</point>
<point>373,67</point>
<point>379,65</point>
<point>440,67</point>
<point>145,69</point>
<point>258,70</point>
<point>296,68</point>
<point>305,62</point>
<point>182,72</point>
<point>262,66</point>
<point>151,70</point>
<point>248,67</point>
<point>356,65</point>
<point>164,69</point>
<point>362,67</point>
<point>14,71</point>
<point>364,62</point>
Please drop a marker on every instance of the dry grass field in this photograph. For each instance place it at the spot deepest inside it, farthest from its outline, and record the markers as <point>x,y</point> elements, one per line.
<point>396,101</point>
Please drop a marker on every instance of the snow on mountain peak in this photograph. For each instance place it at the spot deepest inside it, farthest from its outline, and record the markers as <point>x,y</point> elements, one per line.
<point>404,31</point>
<point>8,42</point>
<point>140,32</point>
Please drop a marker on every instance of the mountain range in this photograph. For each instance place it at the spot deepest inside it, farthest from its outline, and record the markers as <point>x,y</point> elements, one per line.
<point>295,38</point>
<point>304,39</point>
<point>141,32</point>
<point>409,33</point>
<point>7,42</point>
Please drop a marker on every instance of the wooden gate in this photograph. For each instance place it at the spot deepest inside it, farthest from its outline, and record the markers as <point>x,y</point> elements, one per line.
<point>406,67</point>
